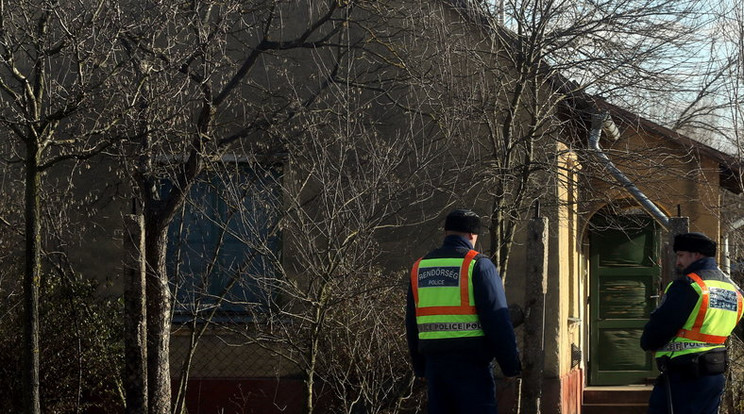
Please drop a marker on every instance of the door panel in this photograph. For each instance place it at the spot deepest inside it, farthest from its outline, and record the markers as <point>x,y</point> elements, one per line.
<point>625,273</point>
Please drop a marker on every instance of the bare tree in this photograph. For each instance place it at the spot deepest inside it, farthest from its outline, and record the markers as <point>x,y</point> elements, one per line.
<point>545,61</point>
<point>222,78</point>
<point>730,115</point>
<point>54,68</point>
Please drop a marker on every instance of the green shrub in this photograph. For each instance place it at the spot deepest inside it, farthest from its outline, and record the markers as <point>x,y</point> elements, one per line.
<point>81,348</point>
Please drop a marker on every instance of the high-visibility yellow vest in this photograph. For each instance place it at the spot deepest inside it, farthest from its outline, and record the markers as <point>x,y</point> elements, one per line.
<point>716,313</point>
<point>443,294</point>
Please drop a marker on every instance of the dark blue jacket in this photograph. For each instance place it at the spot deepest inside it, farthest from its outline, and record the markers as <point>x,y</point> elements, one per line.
<point>490,301</point>
<point>676,305</point>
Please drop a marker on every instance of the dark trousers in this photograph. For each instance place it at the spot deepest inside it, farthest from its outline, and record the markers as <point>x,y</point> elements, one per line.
<point>701,395</point>
<point>458,385</point>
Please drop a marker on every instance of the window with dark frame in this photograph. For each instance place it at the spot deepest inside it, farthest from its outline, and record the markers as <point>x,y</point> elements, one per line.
<point>224,245</point>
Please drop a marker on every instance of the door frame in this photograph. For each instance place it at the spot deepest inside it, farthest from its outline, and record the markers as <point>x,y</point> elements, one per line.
<point>652,268</point>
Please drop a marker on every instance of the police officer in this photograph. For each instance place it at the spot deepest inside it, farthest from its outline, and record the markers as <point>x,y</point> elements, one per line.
<point>457,321</point>
<point>687,331</point>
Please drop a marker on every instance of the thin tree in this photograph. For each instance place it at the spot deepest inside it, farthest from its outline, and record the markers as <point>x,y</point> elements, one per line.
<point>55,64</point>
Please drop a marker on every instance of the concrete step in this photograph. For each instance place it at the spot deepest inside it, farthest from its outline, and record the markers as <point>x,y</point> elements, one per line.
<point>614,409</point>
<point>629,399</point>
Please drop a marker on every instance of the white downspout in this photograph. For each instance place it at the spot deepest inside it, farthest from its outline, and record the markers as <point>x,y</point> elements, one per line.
<point>604,122</point>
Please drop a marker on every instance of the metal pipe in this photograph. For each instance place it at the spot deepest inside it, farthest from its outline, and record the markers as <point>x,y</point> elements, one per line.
<point>604,122</point>
<point>726,265</point>
<point>726,252</point>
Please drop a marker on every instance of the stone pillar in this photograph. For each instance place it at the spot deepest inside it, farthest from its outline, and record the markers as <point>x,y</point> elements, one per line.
<point>536,286</point>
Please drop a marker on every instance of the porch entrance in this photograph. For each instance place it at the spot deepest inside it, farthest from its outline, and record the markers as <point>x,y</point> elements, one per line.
<point>625,273</point>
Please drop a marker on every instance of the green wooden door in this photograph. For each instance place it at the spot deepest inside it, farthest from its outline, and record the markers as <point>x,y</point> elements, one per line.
<point>625,274</point>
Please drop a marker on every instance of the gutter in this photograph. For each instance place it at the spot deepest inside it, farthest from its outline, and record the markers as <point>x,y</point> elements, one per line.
<point>603,122</point>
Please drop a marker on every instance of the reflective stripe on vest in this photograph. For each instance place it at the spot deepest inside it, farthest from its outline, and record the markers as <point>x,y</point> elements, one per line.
<point>442,293</point>
<point>684,346</point>
<point>716,314</point>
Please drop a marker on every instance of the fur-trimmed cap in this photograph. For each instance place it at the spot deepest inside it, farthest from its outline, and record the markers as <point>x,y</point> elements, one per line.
<point>695,242</point>
<point>464,221</point>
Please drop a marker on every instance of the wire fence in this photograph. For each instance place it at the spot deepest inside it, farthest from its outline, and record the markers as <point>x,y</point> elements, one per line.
<point>226,375</point>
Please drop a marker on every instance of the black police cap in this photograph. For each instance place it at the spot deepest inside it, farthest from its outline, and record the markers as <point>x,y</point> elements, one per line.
<point>695,242</point>
<point>464,221</point>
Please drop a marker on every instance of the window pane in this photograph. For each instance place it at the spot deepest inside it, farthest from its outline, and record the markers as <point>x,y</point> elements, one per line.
<point>225,240</point>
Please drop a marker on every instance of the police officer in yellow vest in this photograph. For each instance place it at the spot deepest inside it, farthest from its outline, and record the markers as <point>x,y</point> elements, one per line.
<point>457,322</point>
<point>688,331</point>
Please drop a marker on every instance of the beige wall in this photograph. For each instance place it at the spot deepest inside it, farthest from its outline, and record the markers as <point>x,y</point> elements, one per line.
<point>670,174</point>
<point>571,303</point>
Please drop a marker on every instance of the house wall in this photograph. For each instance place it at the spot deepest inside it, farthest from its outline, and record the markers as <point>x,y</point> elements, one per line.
<point>671,174</point>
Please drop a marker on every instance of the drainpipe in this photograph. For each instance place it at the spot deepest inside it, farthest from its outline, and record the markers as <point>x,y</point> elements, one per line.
<point>604,122</point>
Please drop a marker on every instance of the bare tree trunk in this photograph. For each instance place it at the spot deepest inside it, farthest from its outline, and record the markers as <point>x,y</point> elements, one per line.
<point>31,283</point>
<point>310,382</point>
<point>497,217</point>
<point>135,336</point>
<point>319,316</point>
<point>158,318</point>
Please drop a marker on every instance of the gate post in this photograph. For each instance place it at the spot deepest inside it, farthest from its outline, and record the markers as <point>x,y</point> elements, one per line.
<point>536,287</point>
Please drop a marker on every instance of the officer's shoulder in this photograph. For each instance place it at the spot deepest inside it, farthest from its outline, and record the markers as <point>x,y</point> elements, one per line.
<point>481,256</point>
<point>681,282</point>
<point>682,285</point>
<point>483,260</point>
<point>705,274</point>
